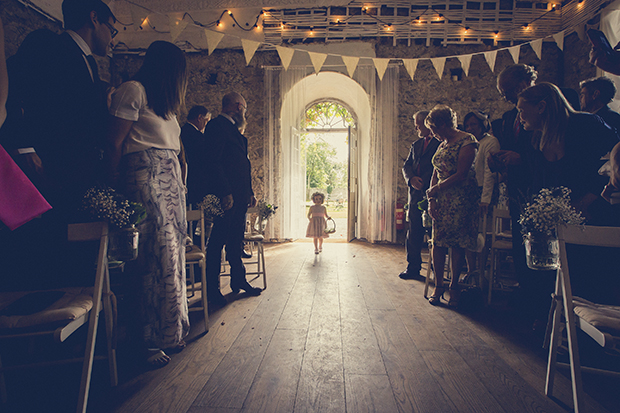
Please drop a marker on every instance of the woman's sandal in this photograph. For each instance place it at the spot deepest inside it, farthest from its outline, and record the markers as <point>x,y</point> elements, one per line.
<point>435,299</point>
<point>157,358</point>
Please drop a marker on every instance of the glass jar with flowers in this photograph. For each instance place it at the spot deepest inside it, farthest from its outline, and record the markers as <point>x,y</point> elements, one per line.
<point>103,203</point>
<point>265,211</point>
<point>539,219</point>
<point>427,221</point>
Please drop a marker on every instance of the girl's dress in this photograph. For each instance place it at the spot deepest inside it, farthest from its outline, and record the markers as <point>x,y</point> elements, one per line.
<point>317,224</point>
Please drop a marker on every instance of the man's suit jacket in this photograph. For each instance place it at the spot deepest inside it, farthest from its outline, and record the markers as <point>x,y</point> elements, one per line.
<point>193,141</point>
<point>419,159</point>
<point>57,108</point>
<point>229,166</point>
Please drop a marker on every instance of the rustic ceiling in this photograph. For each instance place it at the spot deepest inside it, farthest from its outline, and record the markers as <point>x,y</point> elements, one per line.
<point>293,22</point>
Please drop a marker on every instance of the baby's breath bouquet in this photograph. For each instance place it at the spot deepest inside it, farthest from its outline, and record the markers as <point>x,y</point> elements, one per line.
<point>551,207</point>
<point>265,210</point>
<point>211,207</point>
<point>105,204</point>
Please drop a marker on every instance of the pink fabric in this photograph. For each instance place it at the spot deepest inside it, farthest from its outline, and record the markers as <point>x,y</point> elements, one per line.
<point>20,201</point>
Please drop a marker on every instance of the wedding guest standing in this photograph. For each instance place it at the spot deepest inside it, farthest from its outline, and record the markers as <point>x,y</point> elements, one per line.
<point>453,198</point>
<point>477,123</point>
<point>144,146</point>
<point>229,175</point>
<point>417,172</point>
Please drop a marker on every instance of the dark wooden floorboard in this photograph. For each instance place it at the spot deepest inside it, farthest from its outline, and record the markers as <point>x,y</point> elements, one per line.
<point>340,332</point>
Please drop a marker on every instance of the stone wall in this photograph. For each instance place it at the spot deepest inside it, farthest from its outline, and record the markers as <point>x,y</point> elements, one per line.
<point>211,77</point>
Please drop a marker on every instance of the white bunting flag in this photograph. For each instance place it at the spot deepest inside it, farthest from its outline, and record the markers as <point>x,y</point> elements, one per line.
<point>490,58</point>
<point>465,62</point>
<point>537,47</point>
<point>177,25</point>
<point>439,63</point>
<point>411,65</point>
<point>286,55</point>
<point>249,48</point>
<point>514,52</point>
<point>381,66</point>
<point>213,39</point>
<point>138,15</point>
<point>351,63</point>
<point>317,60</point>
<point>559,39</point>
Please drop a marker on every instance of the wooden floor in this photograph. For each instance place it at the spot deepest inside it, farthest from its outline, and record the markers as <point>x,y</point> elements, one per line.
<point>340,332</point>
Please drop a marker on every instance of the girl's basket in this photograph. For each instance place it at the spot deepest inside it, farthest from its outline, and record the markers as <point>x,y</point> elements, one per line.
<point>331,226</point>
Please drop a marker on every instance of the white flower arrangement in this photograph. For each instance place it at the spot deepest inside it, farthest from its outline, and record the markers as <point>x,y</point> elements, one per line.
<point>104,203</point>
<point>211,207</point>
<point>551,207</point>
<point>265,209</point>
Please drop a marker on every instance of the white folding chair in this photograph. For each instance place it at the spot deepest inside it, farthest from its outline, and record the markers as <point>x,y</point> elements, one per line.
<point>601,322</point>
<point>197,255</point>
<point>74,308</point>
<point>501,244</point>
<point>254,236</point>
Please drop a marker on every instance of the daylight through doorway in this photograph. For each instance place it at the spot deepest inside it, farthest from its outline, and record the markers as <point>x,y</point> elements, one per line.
<point>325,137</point>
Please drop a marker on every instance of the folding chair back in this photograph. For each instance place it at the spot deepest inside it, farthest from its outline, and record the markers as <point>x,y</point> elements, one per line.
<point>197,255</point>
<point>601,322</point>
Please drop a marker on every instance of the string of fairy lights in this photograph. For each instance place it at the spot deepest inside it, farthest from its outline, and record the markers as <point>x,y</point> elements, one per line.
<point>432,15</point>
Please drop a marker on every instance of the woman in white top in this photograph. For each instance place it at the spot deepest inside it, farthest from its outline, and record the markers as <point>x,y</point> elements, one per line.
<point>144,143</point>
<point>477,123</point>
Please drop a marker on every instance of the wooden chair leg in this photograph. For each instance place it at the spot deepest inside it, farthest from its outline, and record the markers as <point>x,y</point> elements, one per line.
<point>203,287</point>
<point>491,275</point>
<point>110,324</point>
<point>556,332</point>
<point>261,253</point>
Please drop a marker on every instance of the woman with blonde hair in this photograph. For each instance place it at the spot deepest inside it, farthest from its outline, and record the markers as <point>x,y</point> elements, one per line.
<point>144,143</point>
<point>453,198</point>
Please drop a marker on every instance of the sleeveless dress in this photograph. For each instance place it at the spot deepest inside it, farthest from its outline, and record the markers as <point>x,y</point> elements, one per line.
<point>458,206</point>
<point>317,223</point>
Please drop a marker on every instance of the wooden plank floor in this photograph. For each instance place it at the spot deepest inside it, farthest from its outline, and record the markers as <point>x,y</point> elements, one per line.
<point>340,332</point>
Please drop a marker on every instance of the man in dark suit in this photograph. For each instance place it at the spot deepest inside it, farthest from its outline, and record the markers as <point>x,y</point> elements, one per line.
<point>57,111</point>
<point>192,137</point>
<point>229,176</point>
<point>58,103</point>
<point>417,171</point>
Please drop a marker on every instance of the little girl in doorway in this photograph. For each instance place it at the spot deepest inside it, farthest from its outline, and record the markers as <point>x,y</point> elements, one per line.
<point>317,216</point>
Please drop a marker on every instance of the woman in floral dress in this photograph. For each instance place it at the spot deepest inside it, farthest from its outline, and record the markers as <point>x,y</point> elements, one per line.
<point>453,198</point>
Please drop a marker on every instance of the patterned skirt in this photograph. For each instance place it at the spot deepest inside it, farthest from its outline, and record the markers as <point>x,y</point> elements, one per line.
<point>153,178</point>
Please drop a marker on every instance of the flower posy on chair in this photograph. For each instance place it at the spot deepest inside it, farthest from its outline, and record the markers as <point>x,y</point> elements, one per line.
<point>104,203</point>
<point>539,219</point>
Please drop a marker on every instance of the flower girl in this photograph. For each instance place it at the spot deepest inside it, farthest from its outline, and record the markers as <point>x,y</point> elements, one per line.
<point>317,216</point>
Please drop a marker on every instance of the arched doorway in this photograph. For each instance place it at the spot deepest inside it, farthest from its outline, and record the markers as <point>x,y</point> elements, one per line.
<point>373,163</point>
<point>326,131</point>
<point>311,89</point>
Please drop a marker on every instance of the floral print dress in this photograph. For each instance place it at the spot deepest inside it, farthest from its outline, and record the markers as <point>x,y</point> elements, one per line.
<point>456,224</point>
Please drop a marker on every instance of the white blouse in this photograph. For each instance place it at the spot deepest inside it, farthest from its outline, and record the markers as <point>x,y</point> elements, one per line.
<point>129,102</point>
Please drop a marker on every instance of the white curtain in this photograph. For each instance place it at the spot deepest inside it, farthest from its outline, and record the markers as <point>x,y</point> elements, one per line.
<point>289,93</point>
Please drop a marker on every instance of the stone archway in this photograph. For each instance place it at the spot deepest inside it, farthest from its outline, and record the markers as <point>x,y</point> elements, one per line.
<point>313,88</point>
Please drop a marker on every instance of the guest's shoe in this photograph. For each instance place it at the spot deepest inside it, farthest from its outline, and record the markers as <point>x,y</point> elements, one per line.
<point>235,286</point>
<point>435,299</point>
<point>216,301</point>
<point>406,275</point>
<point>245,254</point>
<point>455,293</point>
